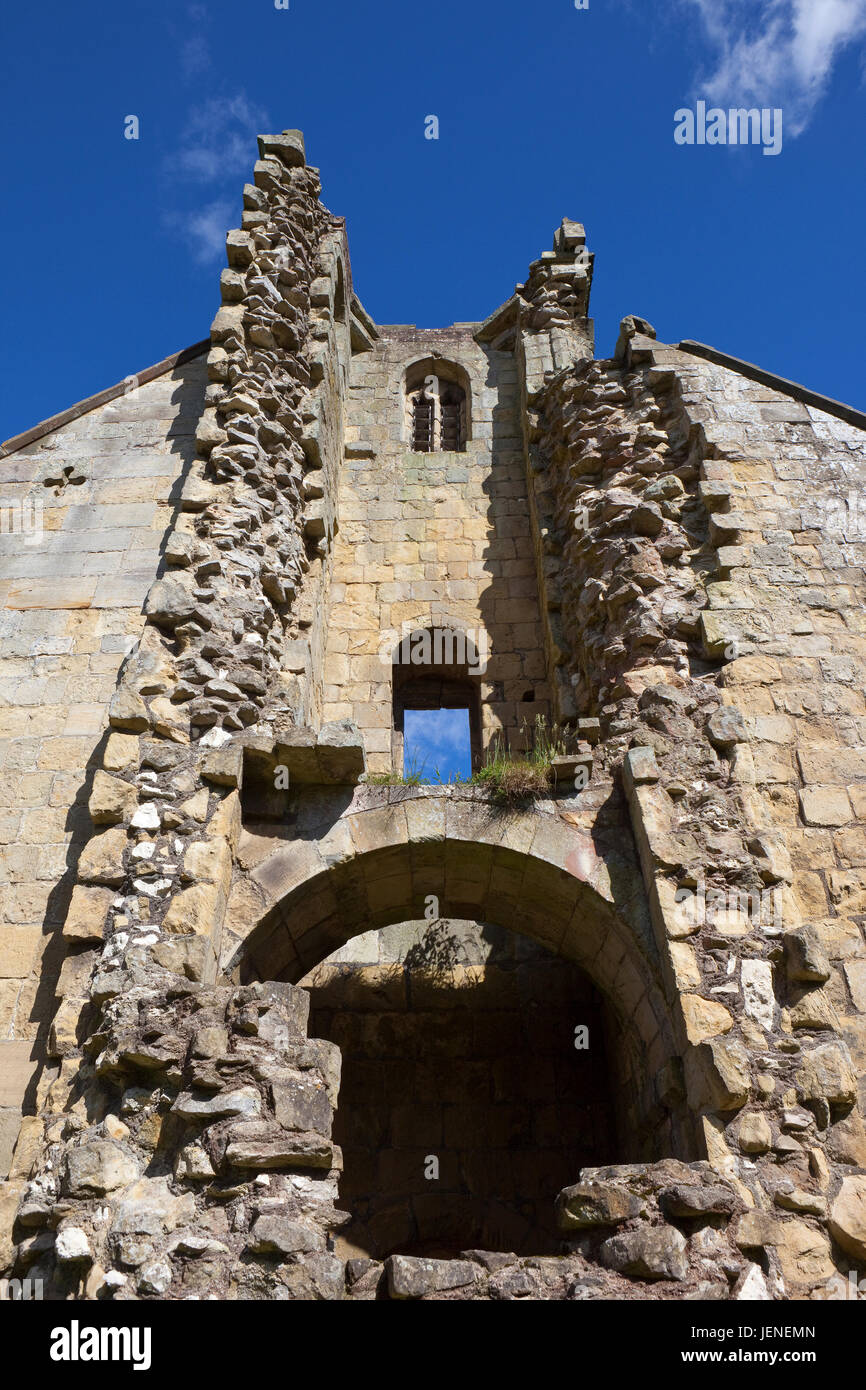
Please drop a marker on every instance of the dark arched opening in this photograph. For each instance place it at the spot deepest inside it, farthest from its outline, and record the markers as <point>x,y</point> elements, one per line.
<point>475,1086</point>
<point>437,668</point>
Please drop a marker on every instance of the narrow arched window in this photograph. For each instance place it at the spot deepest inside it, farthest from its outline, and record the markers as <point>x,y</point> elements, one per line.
<point>437,670</point>
<point>437,409</point>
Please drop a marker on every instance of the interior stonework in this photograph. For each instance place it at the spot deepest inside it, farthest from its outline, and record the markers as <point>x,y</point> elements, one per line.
<point>204,828</point>
<point>458,1043</point>
<point>440,538</point>
<point>334,871</point>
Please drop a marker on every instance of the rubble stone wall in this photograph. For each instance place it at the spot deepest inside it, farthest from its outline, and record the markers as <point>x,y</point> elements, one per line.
<point>694,571</point>
<point>225,647</point>
<point>97,495</point>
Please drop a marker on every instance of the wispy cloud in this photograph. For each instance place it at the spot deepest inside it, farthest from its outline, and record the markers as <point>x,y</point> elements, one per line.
<point>437,740</point>
<point>217,145</point>
<point>194,48</point>
<point>218,139</point>
<point>777,52</point>
<point>204,229</point>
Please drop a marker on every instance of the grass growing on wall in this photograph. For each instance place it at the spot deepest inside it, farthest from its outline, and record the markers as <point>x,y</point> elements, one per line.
<point>524,775</point>
<point>510,776</point>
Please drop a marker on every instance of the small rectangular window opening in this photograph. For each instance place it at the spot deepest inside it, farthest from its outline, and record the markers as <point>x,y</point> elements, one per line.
<point>422,426</point>
<point>437,745</point>
<point>451,428</point>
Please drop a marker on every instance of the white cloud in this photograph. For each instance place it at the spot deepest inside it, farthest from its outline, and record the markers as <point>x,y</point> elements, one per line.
<point>204,229</point>
<point>777,52</point>
<point>218,140</point>
<point>194,48</point>
<point>207,230</point>
<point>216,146</point>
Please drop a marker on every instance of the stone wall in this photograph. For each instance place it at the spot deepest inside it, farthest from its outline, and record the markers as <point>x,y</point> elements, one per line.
<point>649,542</point>
<point>108,482</point>
<point>696,562</point>
<point>247,573</point>
<point>433,541</point>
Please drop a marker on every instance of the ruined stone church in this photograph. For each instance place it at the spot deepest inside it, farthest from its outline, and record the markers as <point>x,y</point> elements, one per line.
<point>280,1022</point>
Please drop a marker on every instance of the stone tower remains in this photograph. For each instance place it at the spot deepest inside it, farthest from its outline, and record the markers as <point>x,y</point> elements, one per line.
<point>606,1040</point>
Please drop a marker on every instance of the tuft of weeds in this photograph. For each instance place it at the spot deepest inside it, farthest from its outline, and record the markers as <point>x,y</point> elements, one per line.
<point>521,776</point>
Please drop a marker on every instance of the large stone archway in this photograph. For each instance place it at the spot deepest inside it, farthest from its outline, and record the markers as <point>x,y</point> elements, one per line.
<point>479,1074</point>
<point>389,853</point>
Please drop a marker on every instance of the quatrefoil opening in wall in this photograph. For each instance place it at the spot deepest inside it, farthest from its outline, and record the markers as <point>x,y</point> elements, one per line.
<point>69,476</point>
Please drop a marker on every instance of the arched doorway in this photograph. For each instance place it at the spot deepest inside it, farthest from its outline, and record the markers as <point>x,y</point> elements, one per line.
<point>355,863</point>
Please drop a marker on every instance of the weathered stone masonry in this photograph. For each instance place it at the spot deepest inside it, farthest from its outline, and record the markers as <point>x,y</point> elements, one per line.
<point>108,482</point>
<point>651,547</point>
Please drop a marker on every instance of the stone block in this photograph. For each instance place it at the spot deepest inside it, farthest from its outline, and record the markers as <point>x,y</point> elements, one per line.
<point>855,974</point>
<point>275,1234</point>
<point>412,1277</point>
<point>685,1201</point>
<point>260,1146</point>
<point>302,1104</point>
<point>195,911</point>
<point>650,1252</point>
<point>18,951</point>
<point>726,728</point>
<point>758,996</point>
<point>754,1134</point>
<point>848,1217</point>
<point>171,601</point>
<point>288,147</point>
<point>150,1208</point>
<point>97,1168</point>
<point>209,861</point>
<point>718,1075</point>
<point>65,592</point>
<point>831,764</point>
<point>101,859</point>
<point>825,806</point>
<point>16,1070</point>
<point>111,800</point>
<point>704,1018</point>
<point>88,910</point>
<point>10,1123</point>
<point>128,711</point>
<point>805,956</point>
<point>588,1205</point>
<point>224,766</point>
<point>825,1073</point>
<point>640,767</point>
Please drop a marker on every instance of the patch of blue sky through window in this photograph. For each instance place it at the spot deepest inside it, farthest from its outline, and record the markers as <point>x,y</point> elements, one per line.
<point>437,744</point>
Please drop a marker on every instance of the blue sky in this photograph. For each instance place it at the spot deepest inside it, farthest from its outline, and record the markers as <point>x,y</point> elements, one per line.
<point>436,741</point>
<point>112,247</point>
